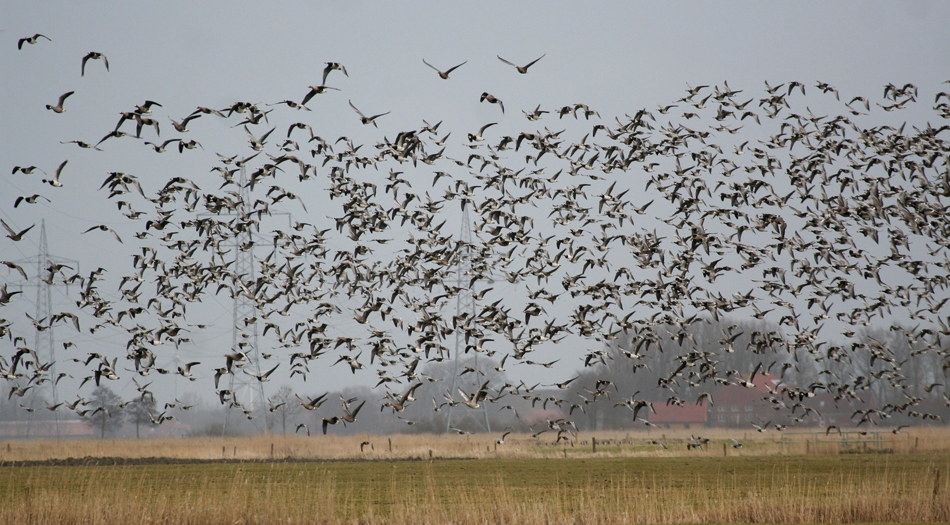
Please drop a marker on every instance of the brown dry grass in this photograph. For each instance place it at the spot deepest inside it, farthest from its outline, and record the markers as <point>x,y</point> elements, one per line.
<point>521,482</point>
<point>418,446</point>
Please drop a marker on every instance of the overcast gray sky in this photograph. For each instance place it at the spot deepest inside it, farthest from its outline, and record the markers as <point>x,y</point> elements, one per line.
<point>616,57</point>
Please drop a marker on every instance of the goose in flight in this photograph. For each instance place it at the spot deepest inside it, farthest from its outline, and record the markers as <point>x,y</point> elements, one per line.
<point>492,99</point>
<point>399,404</point>
<point>184,370</point>
<point>12,265</point>
<point>444,75</point>
<point>29,200</point>
<point>330,67</point>
<point>329,421</point>
<point>55,181</point>
<point>81,144</point>
<point>312,404</point>
<point>693,444</point>
<point>236,356</point>
<point>291,104</point>
<point>315,90</point>
<point>30,40</point>
<point>536,114</point>
<point>6,296</point>
<point>103,227</point>
<point>348,416</point>
<point>182,126</point>
<point>265,376</point>
<point>364,119</point>
<point>473,400</point>
<point>27,170</point>
<point>257,144</point>
<point>477,137</point>
<point>160,148</point>
<point>94,56</point>
<point>58,108</point>
<point>146,107</point>
<point>521,69</point>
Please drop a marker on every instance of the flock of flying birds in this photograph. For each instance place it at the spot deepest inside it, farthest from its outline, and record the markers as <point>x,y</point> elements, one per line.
<point>633,228</point>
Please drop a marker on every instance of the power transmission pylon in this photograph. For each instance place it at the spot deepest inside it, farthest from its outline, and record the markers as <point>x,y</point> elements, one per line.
<point>465,302</point>
<point>247,392</point>
<point>43,342</point>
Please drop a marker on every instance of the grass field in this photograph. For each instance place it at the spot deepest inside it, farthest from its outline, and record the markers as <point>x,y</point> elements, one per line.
<point>629,482</point>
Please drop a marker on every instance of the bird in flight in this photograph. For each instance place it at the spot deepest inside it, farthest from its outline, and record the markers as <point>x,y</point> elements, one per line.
<point>444,74</point>
<point>182,126</point>
<point>94,56</point>
<point>55,181</point>
<point>27,170</point>
<point>29,200</point>
<point>103,227</point>
<point>58,108</point>
<point>30,40</point>
<point>316,90</point>
<point>16,236</point>
<point>521,69</point>
<point>6,296</point>
<point>81,144</point>
<point>14,266</point>
<point>330,67</point>
<point>364,119</point>
<point>477,137</point>
<point>492,99</point>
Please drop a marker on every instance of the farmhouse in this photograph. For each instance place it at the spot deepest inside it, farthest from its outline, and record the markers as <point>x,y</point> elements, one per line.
<point>71,429</point>
<point>685,416</point>
<point>735,405</point>
<point>742,406</point>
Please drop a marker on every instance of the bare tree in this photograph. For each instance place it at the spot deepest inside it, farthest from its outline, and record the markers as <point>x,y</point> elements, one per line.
<point>104,411</point>
<point>140,412</point>
<point>281,406</point>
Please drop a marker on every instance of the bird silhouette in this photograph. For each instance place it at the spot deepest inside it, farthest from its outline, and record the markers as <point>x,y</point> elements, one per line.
<point>58,108</point>
<point>13,235</point>
<point>367,120</point>
<point>491,99</point>
<point>330,66</point>
<point>522,69</point>
<point>444,75</point>
<point>93,55</point>
<point>30,40</point>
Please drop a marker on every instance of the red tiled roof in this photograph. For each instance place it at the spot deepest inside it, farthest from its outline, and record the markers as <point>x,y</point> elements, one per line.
<point>687,413</point>
<point>738,394</point>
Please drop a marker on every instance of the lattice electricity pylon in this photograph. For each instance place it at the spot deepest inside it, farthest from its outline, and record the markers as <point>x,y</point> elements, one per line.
<point>43,342</point>
<point>465,302</point>
<point>247,392</point>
